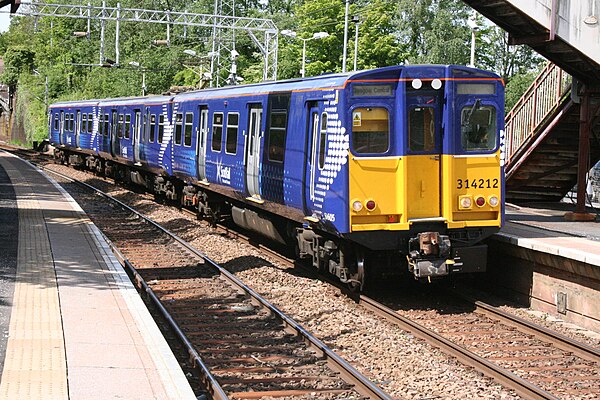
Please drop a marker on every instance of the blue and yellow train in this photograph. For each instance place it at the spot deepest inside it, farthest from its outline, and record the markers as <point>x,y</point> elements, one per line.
<point>397,168</point>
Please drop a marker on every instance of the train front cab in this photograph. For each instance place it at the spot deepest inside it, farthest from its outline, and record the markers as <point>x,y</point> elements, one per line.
<point>426,179</point>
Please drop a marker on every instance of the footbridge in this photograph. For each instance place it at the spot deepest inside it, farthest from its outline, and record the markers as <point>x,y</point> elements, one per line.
<point>553,133</point>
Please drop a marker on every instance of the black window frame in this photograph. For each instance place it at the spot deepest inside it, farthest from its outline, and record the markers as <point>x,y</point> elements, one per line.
<point>161,128</point>
<point>152,133</point>
<point>276,151</point>
<point>127,126</point>
<point>370,107</point>
<point>120,125</point>
<point>231,133</point>
<point>322,140</point>
<point>84,123</point>
<point>188,129</point>
<point>178,128</point>
<point>412,139</point>
<point>217,130</point>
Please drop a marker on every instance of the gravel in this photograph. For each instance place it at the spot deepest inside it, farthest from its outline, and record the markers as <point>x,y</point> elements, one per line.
<point>398,362</point>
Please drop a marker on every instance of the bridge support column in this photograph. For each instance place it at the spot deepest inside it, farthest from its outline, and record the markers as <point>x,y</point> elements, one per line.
<point>583,166</point>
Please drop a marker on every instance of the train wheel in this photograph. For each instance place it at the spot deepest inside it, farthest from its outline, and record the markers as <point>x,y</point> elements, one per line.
<point>358,275</point>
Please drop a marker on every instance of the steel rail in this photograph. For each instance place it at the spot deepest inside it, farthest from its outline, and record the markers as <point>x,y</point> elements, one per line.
<point>579,349</point>
<point>504,377</point>
<point>361,384</point>
<point>206,377</point>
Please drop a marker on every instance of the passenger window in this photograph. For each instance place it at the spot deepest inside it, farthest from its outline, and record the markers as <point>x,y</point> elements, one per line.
<point>106,124</point>
<point>421,129</point>
<point>232,133</point>
<point>277,131</point>
<point>90,123</point>
<point>120,126</point>
<point>72,123</point>
<point>161,128</point>
<point>217,132</point>
<point>322,140</point>
<point>370,130</point>
<point>127,125</point>
<point>178,128</point>
<point>478,127</point>
<point>55,122</point>
<point>189,122</point>
<point>152,127</point>
<point>84,123</point>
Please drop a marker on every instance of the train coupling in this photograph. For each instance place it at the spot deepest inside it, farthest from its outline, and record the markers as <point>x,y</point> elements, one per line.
<point>432,255</point>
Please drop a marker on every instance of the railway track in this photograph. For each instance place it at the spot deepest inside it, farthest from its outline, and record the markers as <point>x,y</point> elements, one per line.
<point>242,346</point>
<point>533,361</point>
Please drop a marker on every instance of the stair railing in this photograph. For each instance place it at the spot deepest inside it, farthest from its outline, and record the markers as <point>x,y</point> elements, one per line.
<point>540,100</point>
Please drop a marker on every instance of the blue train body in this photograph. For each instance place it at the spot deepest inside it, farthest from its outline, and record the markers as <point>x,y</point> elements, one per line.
<point>403,160</point>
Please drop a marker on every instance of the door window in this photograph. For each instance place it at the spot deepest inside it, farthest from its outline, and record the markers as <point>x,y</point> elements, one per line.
<point>322,140</point>
<point>421,129</point>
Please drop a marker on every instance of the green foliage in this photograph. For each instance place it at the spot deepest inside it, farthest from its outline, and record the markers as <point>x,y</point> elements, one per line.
<point>390,32</point>
<point>516,86</point>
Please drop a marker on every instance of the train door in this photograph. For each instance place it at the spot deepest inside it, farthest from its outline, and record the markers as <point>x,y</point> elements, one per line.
<point>77,128</point>
<point>137,137</point>
<point>316,136</point>
<point>252,152</point>
<point>424,135</point>
<point>202,129</point>
<point>61,131</point>
<point>114,139</point>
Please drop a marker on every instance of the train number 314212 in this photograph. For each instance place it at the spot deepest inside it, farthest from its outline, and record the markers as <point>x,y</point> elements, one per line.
<point>477,183</point>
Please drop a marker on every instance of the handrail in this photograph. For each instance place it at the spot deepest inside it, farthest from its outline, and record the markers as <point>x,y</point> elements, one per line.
<point>540,100</point>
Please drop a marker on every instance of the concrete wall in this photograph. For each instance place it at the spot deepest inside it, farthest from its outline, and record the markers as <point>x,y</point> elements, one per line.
<point>577,23</point>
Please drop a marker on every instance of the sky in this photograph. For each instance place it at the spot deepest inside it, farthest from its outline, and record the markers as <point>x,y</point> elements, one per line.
<point>4,19</point>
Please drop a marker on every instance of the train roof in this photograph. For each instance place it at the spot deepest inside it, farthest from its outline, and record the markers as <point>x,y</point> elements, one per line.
<point>116,101</point>
<point>321,82</point>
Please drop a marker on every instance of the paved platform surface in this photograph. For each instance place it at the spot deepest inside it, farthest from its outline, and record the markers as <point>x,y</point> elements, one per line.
<point>78,329</point>
<point>542,227</point>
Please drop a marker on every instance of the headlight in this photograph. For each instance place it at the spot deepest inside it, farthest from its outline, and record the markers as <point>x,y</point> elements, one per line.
<point>357,205</point>
<point>493,201</point>
<point>465,202</point>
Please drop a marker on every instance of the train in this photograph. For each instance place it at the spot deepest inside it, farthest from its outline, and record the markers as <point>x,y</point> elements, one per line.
<point>367,173</point>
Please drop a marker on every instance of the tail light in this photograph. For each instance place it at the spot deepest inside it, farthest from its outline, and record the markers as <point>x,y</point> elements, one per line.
<point>370,205</point>
<point>480,201</point>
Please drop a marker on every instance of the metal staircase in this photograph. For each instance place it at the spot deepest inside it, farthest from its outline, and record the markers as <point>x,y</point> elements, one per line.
<point>542,140</point>
<point>552,137</point>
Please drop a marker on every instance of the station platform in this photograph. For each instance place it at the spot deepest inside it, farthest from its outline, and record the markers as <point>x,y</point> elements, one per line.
<point>74,326</point>
<point>543,227</point>
<point>548,263</point>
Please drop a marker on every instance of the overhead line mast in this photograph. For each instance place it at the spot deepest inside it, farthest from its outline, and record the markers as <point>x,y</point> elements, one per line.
<point>222,25</point>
